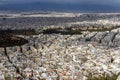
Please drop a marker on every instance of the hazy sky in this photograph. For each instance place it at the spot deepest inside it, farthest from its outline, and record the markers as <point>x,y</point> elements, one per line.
<point>86,4</point>
<point>65,1</point>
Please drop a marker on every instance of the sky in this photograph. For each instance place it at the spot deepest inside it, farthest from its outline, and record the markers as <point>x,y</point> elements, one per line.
<point>84,4</point>
<point>65,1</point>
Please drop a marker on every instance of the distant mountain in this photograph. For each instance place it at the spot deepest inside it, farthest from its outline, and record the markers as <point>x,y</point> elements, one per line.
<point>62,7</point>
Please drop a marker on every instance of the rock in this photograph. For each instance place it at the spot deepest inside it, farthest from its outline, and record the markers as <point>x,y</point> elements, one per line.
<point>118,78</point>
